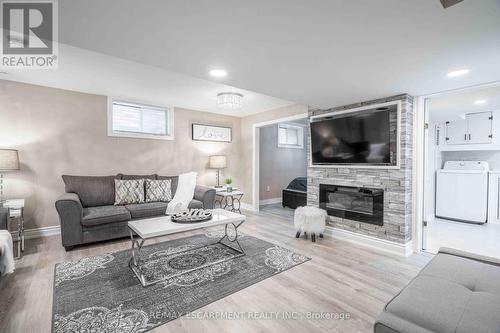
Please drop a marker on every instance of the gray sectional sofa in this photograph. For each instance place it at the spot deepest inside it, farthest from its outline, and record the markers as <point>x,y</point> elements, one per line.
<point>87,212</point>
<point>457,292</point>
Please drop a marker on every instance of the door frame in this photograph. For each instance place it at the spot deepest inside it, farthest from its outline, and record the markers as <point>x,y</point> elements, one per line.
<point>256,153</point>
<point>420,140</point>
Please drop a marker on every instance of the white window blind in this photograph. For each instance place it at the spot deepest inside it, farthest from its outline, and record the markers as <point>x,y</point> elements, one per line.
<point>290,136</point>
<point>134,120</point>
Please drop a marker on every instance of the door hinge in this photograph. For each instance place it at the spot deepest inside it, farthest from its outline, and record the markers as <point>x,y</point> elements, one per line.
<point>490,136</point>
<point>426,126</point>
<point>425,223</point>
<point>447,139</point>
<point>490,117</point>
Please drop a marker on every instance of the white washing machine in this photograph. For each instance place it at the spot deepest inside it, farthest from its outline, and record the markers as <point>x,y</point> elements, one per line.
<point>462,191</point>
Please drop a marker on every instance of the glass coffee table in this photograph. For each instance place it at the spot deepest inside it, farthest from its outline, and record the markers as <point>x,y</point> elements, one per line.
<point>147,229</point>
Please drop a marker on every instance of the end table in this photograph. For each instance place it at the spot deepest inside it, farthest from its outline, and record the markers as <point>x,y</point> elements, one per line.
<point>16,212</point>
<point>229,200</point>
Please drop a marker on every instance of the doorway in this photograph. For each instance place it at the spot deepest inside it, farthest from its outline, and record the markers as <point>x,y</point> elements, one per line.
<point>461,171</point>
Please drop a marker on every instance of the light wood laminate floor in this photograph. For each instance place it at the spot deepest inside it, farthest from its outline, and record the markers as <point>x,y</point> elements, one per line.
<point>341,278</point>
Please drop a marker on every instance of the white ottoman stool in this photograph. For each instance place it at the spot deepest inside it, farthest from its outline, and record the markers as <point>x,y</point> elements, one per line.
<point>310,220</point>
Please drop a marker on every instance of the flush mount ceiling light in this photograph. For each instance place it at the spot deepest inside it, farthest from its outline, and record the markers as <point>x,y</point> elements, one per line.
<point>217,73</point>
<point>229,101</point>
<point>480,102</point>
<point>457,73</point>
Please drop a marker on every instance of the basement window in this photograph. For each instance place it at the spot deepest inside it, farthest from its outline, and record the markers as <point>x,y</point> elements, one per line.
<point>133,120</point>
<point>290,136</point>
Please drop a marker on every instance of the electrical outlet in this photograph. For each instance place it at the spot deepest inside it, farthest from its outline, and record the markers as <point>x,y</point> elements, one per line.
<point>268,188</point>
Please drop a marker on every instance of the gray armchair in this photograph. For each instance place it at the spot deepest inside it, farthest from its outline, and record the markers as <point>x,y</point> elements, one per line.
<point>87,212</point>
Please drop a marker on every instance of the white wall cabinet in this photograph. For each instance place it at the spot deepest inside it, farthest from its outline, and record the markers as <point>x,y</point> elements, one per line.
<point>475,132</point>
<point>479,127</point>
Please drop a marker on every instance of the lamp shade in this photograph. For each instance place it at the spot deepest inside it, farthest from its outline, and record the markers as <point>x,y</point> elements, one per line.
<point>217,162</point>
<point>9,160</point>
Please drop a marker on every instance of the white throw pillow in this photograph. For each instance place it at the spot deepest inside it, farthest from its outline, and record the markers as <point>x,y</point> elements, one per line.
<point>130,191</point>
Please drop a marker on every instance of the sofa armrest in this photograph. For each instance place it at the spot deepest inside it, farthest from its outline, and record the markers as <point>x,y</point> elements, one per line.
<point>206,195</point>
<point>468,255</point>
<point>70,212</point>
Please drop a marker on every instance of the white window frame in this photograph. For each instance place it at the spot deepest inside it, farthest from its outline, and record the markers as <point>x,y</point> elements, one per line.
<point>170,122</point>
<point>300,129</point>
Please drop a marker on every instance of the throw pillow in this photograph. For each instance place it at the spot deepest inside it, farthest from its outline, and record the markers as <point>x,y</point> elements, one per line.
<point>129,191</point>
<point>158,190</point>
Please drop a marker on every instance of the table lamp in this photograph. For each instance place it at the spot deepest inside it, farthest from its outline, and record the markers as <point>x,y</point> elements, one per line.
<point>9,161</point>
<point>217,162</point>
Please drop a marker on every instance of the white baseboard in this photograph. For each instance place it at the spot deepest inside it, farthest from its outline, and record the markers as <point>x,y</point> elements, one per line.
<point>404,250</point>
<point>270,201</point>
<point>38,232</point>
<point>246,206</point>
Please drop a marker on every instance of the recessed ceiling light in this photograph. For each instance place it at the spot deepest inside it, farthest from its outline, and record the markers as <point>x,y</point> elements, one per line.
<point>458,72</point>
<point>218,72</point>
<point>480,102</point>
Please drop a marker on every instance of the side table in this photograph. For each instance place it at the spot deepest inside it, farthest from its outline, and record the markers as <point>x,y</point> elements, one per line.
<point>16,212</point>
<point>229,200</point>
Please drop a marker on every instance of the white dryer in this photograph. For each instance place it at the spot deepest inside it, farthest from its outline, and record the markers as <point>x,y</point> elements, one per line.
<point>462,191</point>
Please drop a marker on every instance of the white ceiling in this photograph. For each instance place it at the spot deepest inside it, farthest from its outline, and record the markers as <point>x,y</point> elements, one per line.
<point>91,72</point>
<point>319,52</point>
<point>453,106</point>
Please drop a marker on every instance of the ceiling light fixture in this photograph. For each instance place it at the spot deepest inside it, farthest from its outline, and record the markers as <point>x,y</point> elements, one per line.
<point>229,101</point>
<point>218,73</point>
<point>457,73</point>
<point>480,102</point>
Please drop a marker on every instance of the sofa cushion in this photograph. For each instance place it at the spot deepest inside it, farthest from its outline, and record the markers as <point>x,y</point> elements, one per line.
<point>158,190</point>
<point>147,209</point>
<point>451,294</point>
<point>174,179</point>
<point>93,191</point>
<point>93,216</point>
<point>195,204</point>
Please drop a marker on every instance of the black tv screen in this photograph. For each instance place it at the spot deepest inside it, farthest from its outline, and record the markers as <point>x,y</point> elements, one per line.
<point>358,138</point>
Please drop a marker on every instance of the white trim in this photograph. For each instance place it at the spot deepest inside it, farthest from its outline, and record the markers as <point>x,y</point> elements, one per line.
<point>361,166</point>
<point>255,153</point>
<point>38,232</point>
<point>399,249</point>
<point>170,122</point>
<point>270,201</point>
<point>249,207</point>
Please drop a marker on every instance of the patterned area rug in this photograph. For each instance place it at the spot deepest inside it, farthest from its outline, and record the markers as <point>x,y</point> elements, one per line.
<point>102,294</point>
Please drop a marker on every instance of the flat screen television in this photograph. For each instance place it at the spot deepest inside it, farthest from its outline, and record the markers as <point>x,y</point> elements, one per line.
<point>354,138</point>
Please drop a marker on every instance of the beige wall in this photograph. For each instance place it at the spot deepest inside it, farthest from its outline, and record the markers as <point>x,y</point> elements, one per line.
<point>246,162</point>
<point>63,132</point>
<point>278,166</point>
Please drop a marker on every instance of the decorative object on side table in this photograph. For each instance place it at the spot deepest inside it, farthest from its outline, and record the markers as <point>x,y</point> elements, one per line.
<point>217,162</point>
<point>16,212</point>
<point>229,200</point>
<point>9,161</point>
<point>228,182</point>
<point>310,220</point>
<point>211,133</point>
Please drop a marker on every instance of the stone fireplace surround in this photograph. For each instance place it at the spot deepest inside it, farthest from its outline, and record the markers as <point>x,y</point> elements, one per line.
<point>396,183</point>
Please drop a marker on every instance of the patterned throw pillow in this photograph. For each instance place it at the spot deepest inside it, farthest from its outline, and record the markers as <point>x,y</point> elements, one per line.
<point>158,190</point>
<point>129,191</point>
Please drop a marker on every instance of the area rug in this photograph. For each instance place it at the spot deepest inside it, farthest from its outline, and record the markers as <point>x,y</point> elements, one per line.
<point>102,294</point>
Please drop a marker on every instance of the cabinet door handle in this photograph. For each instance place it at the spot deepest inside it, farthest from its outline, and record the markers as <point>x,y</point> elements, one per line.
<point>469,137</point>
<point>465,137</point>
